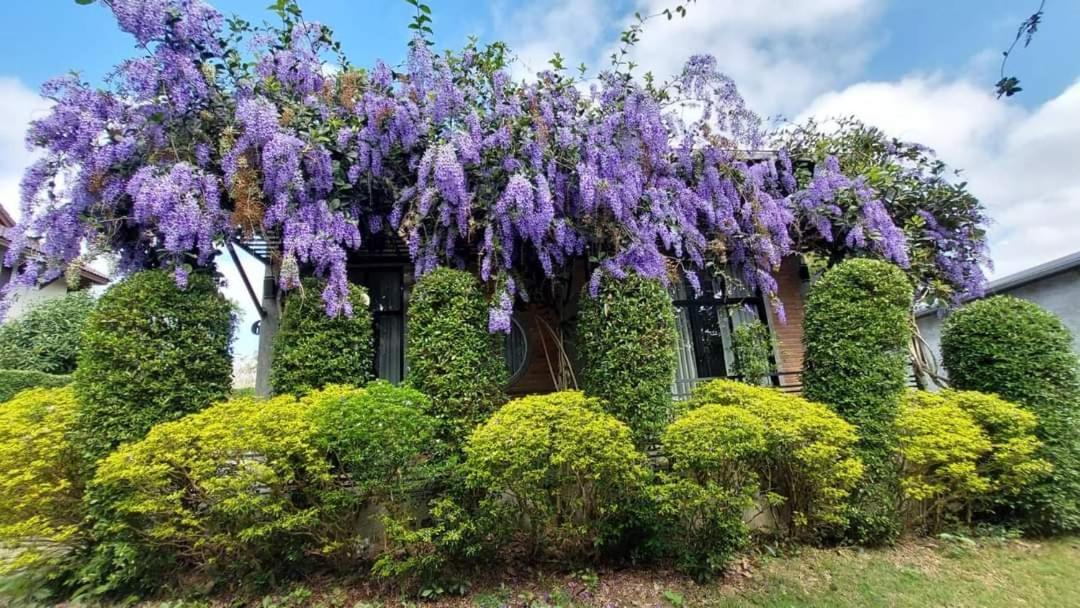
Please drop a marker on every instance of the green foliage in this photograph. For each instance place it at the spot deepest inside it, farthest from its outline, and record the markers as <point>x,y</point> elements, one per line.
<point>12,381</point>
<point>963,451</point>
<point>41,507</point>
<point>626,345</point>
<point>312,350</point>
<point>452,357</point>
<point>234,491</point>
<point>377,435</point>
<point>555,472</point>
<point>753,347</point>
<point>1023,353</point>
<point>151,352</point>
<point>46,337</point>
<point>714,451</point>
<point>856,334</point>
<point>808,468</point>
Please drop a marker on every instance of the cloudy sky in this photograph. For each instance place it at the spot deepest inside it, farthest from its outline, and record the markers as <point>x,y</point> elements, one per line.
<point>919,69</point>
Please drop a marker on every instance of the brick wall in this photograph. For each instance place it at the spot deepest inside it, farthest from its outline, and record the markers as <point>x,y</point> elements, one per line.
<point>788,335</point>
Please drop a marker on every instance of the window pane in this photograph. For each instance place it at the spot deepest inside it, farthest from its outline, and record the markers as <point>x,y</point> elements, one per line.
<point>686,368</point>
<point>384,288</point>
<point>389,340</point>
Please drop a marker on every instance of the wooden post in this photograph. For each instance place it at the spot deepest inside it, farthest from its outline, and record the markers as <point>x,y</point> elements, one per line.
<point>267,328</point>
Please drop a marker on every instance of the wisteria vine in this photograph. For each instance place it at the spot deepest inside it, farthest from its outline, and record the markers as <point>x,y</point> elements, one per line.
<point>220,129</point>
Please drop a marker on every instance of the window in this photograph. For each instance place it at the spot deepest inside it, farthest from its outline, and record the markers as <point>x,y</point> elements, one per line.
<point>516,350</point>
<point>705,323</point>
<point>386,288</point>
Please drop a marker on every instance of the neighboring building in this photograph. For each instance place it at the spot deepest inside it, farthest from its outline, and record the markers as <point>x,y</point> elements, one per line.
<point>1054,286</point>
<point>705,322</point>
<point>29,297</point>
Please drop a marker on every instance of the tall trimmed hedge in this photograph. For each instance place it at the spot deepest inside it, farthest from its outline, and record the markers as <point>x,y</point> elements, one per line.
<point>313,350</point>
<point>1023,353</point>
<point>856,333</point>
<point>453,359</point>
<point>151,352</point>
<point>626,345</point>
<point>46,338</point>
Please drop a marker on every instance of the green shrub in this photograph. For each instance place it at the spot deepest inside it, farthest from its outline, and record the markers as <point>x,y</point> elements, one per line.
<point>151,352</point>
<point>46,337</point>
<point>237,491</point>
<point>555,472</point>
<point>453,358</point>
<point>856,333</point>
<point>312,350</point>
<point>626,344</point>
<point>962,452</point>
<point>1023,353</point>
<point>41,509</point>
<point>714,451</point>
<point>12,381</point>
<point>378,435</point>
<point>753,347</point>
<point>809,467</point>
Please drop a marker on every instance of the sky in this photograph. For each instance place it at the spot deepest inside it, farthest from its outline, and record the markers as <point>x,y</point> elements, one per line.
<point>922,70</point>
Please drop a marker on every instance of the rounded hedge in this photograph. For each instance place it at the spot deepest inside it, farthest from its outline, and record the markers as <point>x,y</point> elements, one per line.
<point>699,506</point>
<point>13,381</point>
<point>555,473</point>
<point>237,490</point>
<point>626,345</point>
<point>1023,353</point>
<point>46,338</point>
<point>313,350</point>
<point>41,508</point>
<point>856,334</point>
<point>151,352</point>
<point>809,466</point>
<point>379,435</point>
<point>453,358</point>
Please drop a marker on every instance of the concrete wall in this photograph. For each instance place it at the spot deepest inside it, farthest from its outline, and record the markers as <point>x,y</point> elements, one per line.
<point>1060,294</point>
<point>27,298</point>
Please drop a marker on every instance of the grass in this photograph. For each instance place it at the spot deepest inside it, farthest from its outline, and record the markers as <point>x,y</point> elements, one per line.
<point>952,572</point>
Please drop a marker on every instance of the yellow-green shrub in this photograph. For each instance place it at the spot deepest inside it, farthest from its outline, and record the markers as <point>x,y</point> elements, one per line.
<point>239,489</point>
<point>699,505</point>
<point>962,452</point>
<point>555,472</point>
<point>41,506</point>
<point>809,466</point>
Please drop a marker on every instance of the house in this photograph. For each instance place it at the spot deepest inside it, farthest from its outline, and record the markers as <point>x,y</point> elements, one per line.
<point>705,321</point>
<point>1054,286</point>
<point>88,277</point>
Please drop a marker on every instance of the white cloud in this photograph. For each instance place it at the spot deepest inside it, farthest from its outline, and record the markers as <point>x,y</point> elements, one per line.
<point>1020,163</point>
<point>18,106</point>
<point>781,53</point>
<point>537,30</point>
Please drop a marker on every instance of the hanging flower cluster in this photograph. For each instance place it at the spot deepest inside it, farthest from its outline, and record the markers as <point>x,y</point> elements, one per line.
<point>193,143</point>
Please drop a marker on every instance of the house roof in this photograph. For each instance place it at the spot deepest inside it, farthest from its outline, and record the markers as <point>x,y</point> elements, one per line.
<point>6,221</point>
<point>1026,276</point>
<point>89,275</point>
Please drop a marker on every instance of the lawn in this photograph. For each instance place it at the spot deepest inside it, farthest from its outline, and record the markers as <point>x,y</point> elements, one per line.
<point>956,573</point>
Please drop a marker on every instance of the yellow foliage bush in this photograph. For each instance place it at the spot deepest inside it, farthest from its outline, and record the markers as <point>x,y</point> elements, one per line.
<point>962,452</point>
<point>41,507</point>
<point>808,467</point>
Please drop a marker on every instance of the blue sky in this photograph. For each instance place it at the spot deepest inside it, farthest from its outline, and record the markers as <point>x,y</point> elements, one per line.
<point>921,69</point>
